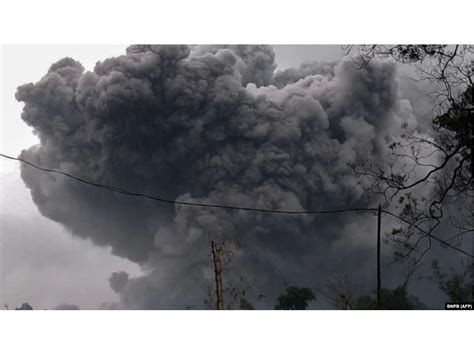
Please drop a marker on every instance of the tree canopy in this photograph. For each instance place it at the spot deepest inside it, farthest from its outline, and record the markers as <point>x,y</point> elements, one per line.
<point>295,298</point>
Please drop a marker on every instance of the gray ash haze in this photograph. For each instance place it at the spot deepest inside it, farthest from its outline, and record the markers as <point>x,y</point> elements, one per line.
<point>215,124</point>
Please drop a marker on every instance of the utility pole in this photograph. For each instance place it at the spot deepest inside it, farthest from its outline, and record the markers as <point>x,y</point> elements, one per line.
<point>216,254</point>
<point>379,287</point>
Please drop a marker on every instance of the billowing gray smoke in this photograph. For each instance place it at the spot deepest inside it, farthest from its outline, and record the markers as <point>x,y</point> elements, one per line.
<point>212,124</point>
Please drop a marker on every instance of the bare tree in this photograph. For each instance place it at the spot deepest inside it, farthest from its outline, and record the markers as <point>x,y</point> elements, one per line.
<point>439,160</point>
<point>340,292</point>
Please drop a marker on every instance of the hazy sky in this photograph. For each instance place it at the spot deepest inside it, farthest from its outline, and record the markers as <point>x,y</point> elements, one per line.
<point>38,255</point>
<point>41,262</point>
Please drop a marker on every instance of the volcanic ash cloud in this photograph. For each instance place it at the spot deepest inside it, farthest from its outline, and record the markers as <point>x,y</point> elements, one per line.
<point>219,125</point>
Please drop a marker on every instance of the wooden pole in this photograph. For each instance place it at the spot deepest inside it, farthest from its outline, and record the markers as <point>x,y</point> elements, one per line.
<point>379,286</point>
<point>216,254</point>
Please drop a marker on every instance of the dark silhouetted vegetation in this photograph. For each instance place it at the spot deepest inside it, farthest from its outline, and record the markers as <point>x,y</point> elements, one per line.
<point>396,299</point>
<point>24,307</point>
<point>457,286</point>
<point>295,298</point>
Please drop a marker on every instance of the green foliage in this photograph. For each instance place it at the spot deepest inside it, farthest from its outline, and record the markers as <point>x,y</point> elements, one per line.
<point>458,287</point>
<point>295,298</point>
<point>396,299</point>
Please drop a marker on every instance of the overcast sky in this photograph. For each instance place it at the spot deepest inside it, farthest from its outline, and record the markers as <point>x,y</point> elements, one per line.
<point>41,262</point>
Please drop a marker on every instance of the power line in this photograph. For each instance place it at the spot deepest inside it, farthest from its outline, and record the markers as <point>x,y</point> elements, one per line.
<point>195,204</point>
<point>439,240</point>
<point>229,207</point>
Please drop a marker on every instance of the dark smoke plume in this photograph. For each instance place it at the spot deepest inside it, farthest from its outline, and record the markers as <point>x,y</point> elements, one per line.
<point>213,124</point>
